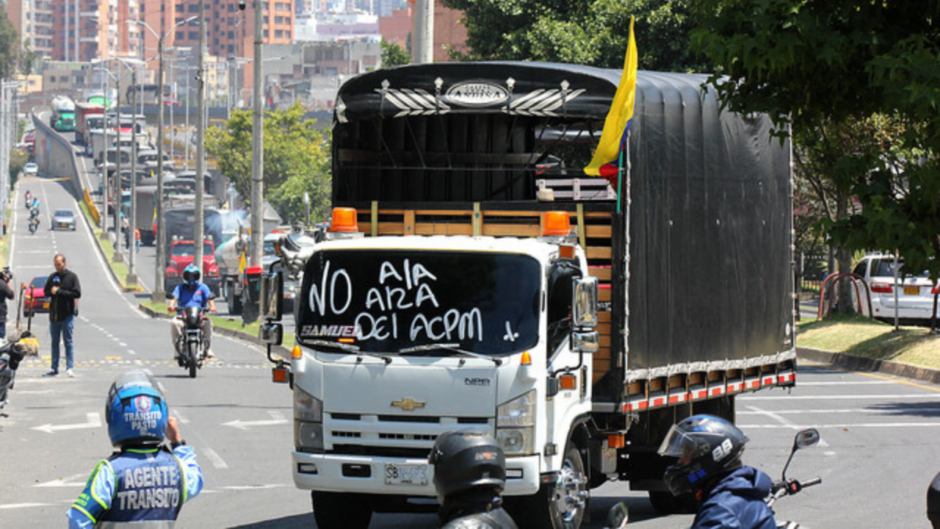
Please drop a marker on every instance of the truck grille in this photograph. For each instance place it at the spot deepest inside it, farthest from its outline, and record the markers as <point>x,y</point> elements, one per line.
<point>400,436</point>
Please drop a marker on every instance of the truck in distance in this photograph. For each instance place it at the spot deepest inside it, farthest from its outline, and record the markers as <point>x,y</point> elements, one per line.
<point>63,114</point>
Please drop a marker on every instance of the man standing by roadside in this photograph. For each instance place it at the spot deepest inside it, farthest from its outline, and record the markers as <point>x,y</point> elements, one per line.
<point>63,287</point>
<point>5,293</point>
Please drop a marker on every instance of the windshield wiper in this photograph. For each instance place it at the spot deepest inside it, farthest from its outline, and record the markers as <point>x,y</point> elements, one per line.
<point>455,347</point>
<point>351,348</point>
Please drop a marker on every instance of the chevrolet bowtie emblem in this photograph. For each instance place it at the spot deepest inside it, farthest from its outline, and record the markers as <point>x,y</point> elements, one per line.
<point>408,404</point>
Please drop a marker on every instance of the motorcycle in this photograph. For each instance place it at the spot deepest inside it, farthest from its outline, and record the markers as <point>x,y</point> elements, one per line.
<point>11,354</point>
<point>33,225</point>
<point>191,346</point>
<point>788,487</point>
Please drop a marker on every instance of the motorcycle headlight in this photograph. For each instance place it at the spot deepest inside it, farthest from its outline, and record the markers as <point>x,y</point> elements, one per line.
<point>515,425</point>
<point>308,422</point>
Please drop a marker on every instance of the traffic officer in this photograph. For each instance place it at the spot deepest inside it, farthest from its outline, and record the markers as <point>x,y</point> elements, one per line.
<point>145,482</point>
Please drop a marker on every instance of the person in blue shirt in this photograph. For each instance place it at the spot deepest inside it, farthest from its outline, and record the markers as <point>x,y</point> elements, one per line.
<point>145,482</point>
<point>708,450</point>
<point>192,293</point>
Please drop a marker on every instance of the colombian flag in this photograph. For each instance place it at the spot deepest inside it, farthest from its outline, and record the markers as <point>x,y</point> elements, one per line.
<point>618,118</point>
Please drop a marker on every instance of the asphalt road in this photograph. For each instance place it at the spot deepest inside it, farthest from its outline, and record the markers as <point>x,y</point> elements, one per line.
<point>879,450</point>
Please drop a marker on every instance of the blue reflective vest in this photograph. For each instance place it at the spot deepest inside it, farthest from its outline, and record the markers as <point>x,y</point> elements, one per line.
<point>143,487</point>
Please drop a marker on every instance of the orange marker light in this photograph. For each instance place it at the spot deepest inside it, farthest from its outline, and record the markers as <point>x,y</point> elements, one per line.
<point>566,252</point>
<point>347,340</point>
<point>568,381</point>
<point>297,352</point>
<point>616,441</point>
<point>526,359</point>
<point>344,220</point>
<point>556,223</point>
<point>279,375</point>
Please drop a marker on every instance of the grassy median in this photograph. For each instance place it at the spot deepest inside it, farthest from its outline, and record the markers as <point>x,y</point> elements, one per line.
<point>119,269</point>
<point>860,336</point>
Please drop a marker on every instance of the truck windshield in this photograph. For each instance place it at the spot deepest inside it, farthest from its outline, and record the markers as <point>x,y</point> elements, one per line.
<point>389,301</point>
<point>188,249</point>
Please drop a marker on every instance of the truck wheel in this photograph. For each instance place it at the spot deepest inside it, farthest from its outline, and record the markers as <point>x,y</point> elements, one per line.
<point>558,505</point>
<point>342,511</point>
<point>664,502</point>
<point>234,301</point>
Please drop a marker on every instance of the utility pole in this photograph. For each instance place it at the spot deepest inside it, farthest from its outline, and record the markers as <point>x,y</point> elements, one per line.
<point>257,144</point>
<point>131,278</point>
<point>159,289</point>
<point>119,198</point>
<point>423,50</point>
<point>106,188</point>
<point>4,153</point>
<point>200,142</point>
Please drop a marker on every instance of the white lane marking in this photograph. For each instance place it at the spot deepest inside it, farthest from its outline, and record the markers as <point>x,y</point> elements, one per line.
<point>245,425</point>
<point>845,425</point>
<point>215,458</point>
<point>782,421</point>
<point>179,416</point>
<point>255,487</point>
<point>105,270</point>
<point>34,252</point>
<point>847,383</point>
<point>840,411</point>
<point>276,414</point>
<point>122,344</point>
<point>841,397</point>
<point>23,505</point>
<point>131,351</point>
<point>93,421</point>
<point>65,482</point>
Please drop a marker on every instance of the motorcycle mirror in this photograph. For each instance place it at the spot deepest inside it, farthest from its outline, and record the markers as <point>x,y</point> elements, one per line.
<point>806,439</point>
<point>617,516</point>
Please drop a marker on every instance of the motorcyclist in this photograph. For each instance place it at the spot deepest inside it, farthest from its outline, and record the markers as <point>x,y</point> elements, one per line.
<point>709,451</point>
<point>192,293</point>
<point>144,483</point>
<point>469,475</point>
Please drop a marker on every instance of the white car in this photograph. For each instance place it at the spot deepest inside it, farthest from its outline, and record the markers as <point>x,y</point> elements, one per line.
<point>31,169</point>
<point>915,293</point>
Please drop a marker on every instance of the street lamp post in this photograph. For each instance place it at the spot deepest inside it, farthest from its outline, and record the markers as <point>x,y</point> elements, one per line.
<point>257,144</point>
<point>119,199</point>
<point>199,226</point>
<point>159,291</point>
<point>105,188</point>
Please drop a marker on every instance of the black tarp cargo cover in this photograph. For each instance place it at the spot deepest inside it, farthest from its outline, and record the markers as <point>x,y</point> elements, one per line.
<point>709,261</point>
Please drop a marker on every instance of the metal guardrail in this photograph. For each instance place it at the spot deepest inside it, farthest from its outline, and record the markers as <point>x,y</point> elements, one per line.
<point>69,169</point>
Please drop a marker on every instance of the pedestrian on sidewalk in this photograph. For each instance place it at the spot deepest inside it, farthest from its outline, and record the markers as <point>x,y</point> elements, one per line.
<point>145,482</point>
<point>5,293</point>
<point>64,289</point>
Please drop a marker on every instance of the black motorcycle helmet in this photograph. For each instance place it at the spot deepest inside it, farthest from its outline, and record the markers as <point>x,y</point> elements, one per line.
<point>706,447</point>
<point>465,460</point>
<point>191,275</point>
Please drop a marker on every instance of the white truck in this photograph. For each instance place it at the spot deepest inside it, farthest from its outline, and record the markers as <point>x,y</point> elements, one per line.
<point>480,280</point>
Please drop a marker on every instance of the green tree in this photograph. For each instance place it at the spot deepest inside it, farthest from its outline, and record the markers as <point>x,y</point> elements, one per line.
<point>841,64</point>
<point>9,46</point>
<point>27,59</point>
<point>393,55</point>
<point>593,32</point>
<point>296,160</point>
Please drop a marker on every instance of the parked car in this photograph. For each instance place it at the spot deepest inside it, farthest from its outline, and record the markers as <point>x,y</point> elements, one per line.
<point>31,169</point>
<point>915,292</point>
<point>63,218</point>
<point>34,297</point>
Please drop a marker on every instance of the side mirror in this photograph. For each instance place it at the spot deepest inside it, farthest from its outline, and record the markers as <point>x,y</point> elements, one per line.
<point>272,294</point>
<point>617,517</point>
<point>271,333</point>
<point>584,304</point>
<point>806,439</point>
<point>585,342</point>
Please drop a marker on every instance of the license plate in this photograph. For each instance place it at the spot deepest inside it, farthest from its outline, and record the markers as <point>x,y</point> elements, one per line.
<point>911,291</point>
<point>63,224</point>
<point>406,474</point>
<point>45,305</point>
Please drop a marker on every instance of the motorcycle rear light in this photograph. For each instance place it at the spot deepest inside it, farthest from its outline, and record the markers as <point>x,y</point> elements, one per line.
<point>881,288</point>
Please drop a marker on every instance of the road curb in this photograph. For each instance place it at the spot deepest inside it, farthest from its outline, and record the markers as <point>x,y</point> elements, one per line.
<point>874,365</point>
<point>244,336</point>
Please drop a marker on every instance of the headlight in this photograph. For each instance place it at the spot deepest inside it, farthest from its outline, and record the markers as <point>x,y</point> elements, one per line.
<point>308,421</point>
<point>515,425</point>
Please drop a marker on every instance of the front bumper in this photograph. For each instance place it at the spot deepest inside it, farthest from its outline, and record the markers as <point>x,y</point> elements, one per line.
<point>329,476</point>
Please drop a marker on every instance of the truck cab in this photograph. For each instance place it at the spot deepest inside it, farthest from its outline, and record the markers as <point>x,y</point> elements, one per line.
<point>182,254</point>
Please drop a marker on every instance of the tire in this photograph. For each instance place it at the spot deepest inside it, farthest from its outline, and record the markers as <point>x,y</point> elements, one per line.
<point>555,507</point>
<point>341,511</point>
<point>192,351</point>
<point>665,503</point>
